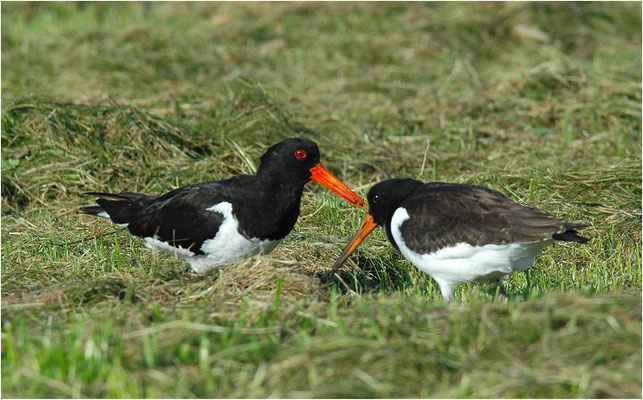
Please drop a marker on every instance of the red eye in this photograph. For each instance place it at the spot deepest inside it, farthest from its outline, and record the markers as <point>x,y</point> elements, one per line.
<point>300,154</point>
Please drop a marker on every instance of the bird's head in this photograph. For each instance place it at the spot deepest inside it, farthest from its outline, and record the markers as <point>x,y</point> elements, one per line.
<point>296,161</point>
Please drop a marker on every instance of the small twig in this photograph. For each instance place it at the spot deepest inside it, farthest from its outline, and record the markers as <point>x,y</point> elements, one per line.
<point>20,306</point>
<point>87,238</point>
<point>198,327</point>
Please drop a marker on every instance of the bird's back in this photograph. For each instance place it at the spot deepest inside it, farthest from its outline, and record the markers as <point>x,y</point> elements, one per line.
<point>188,216</point>
<point>445,214</point>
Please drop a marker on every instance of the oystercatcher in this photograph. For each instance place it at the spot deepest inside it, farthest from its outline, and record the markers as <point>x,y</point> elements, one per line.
<point>214,224</point>
<point>459,233</point>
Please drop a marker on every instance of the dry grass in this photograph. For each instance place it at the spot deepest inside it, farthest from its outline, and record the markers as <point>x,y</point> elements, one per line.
<point>539,101</point>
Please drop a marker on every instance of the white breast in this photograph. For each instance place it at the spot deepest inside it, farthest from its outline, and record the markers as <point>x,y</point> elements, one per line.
<point>227,247</point>
<point>463,262</point>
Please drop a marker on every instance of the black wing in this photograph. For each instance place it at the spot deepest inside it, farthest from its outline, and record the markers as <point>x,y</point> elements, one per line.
<point>178,217</point>
<point>443,215</point>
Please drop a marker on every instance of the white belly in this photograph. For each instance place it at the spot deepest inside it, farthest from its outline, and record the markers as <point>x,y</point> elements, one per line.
<point>464,262</point>
<point>227,247</point>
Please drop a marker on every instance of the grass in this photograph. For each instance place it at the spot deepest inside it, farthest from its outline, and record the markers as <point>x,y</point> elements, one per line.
<point>539,101</point>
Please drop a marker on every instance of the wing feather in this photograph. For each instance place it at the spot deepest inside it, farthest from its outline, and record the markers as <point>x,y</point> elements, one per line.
<point>443,215</point>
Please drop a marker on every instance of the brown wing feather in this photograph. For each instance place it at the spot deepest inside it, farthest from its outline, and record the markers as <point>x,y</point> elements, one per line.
<point>443,215</point>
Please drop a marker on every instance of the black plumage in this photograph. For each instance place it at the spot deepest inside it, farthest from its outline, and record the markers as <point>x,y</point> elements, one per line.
<point>457,232</point>
<point>266,205</point>
<point>181,218</point>
<point>444,214</point>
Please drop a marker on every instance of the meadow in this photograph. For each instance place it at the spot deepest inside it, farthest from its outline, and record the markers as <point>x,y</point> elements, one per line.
<point>540,101</point>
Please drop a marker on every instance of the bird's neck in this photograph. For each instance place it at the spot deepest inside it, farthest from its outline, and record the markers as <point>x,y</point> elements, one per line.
<point>276,212</point>
<point>281,184</point>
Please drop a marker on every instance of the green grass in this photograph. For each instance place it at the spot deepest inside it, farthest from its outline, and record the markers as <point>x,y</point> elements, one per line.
<point>539,101</point>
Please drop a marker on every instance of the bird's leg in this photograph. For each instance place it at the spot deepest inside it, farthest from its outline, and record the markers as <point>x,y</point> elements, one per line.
<point>447,289</point>
<point>500,291</point>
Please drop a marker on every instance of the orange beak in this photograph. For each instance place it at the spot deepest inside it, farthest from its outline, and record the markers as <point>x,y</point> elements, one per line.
<point>323,176</point>
<point>359,237</point>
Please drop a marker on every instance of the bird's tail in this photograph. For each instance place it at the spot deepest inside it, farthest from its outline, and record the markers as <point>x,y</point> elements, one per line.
<point>570,234</point>
<point>121,208</point>
<point>94,210</point>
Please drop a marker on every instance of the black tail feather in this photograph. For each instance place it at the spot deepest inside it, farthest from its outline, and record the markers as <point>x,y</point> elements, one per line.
<point>570,225</point>
<point>120,211</point>
<point>570,235</point>
<point>92,210</point>
<point>121,207</point>
<point>130,196</point>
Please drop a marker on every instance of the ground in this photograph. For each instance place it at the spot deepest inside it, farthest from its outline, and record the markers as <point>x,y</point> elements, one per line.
<point>540,101</point>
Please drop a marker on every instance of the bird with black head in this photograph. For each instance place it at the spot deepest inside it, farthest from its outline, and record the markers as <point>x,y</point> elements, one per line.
<point>459,233</point>
<point>214,224</point>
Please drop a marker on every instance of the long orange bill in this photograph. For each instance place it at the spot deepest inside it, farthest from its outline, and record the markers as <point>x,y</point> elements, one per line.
<point>323,176</point>
<point>359,237</point>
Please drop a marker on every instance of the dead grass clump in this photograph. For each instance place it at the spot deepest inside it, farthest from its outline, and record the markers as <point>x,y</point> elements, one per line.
<point>82,293</point>
<point>261,280</point>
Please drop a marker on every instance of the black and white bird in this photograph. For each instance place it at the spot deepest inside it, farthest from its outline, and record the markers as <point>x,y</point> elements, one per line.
<point>459,233</point>
<point>214,224</point>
